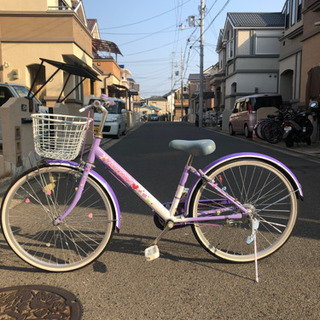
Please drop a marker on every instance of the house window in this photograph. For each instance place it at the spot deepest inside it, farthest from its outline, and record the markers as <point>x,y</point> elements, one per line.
<point>299,13</point>
<point>267,45</point>
<point>62,5</point>
<point>293,12</point>
<point>231,49</point>
<point>287,14</point>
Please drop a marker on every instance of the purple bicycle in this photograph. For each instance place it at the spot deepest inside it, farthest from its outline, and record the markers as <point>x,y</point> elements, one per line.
<point>60,215</point>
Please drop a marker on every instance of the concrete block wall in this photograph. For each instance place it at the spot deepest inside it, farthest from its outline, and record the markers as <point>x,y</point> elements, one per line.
<point>17,139</point>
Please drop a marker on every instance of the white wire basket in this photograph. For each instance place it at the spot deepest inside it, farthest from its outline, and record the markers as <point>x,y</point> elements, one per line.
<point>58,136</point>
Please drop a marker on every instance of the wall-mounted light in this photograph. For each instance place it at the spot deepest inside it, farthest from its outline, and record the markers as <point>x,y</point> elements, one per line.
<point>6,64</point>
<point>15,74</point>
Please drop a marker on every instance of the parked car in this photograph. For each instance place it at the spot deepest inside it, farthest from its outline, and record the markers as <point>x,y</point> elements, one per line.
<point>12,90</point>
<point>249,110</point>
<point>116,122</point>
<point>153,117</point>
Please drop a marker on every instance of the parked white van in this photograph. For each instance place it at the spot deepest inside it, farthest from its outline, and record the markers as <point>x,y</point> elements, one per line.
<point>116,122</point>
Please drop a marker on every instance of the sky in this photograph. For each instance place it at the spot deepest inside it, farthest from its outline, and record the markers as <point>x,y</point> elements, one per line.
<point>154,37</point>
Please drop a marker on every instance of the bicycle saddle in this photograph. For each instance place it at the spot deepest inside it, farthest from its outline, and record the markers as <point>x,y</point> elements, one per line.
<point>194,147</point>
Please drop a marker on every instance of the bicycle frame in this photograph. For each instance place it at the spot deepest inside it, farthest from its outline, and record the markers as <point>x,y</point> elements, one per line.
<point>128,181</point>
<point>169,215</point>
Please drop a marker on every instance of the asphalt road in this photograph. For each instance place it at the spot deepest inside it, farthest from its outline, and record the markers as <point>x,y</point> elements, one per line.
<point>186,282</point>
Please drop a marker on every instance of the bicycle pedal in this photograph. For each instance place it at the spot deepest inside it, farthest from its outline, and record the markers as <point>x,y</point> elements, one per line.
<point>152,253</point>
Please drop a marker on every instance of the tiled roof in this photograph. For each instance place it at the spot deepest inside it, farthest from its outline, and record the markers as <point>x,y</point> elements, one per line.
<point>157,98</point>
<point>194,77</point>
<point>91,23</point>
<point>256,19</point>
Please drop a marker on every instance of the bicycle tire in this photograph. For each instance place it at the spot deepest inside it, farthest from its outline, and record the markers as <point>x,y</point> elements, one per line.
<point>258,127</point>
<point>272,132</point>
<point>36,199</point>
<point>258,186</point>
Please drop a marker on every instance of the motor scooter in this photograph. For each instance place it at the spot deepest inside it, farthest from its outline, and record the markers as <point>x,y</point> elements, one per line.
<point>298,128</point>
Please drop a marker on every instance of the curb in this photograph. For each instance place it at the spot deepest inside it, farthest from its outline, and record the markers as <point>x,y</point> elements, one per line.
<point>311,152</point>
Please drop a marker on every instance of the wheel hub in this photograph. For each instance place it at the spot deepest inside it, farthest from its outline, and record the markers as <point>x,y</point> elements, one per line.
<point>250,207</point>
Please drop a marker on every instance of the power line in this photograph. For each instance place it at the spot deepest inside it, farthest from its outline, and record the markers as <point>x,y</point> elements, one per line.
<point>132,33</point>
<point>152,49</point>
<point>145,20</point>
<point>216,16</point>
<point>149,35</point>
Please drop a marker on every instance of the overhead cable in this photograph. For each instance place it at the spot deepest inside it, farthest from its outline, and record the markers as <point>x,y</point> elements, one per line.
<point>148,19</point>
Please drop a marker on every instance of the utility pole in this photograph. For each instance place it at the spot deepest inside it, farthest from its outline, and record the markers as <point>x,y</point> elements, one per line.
<point>192,23</point>
<point>172,84</point>
<point>181,84</point>
<point>201,64</point>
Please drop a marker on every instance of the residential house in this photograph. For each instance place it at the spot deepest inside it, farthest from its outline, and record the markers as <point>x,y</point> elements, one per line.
<point>194,91</point>
<point>299,52</point>
<point>291,52</point>
<point>248,49</point>
<point>103,61</point>
<point>55,30</point>
<point>217,80</point>
<point>181,103</point>
<point>159,102</point>
<point>134,90</point>
<point>51,42</point>
<point>310,67</point>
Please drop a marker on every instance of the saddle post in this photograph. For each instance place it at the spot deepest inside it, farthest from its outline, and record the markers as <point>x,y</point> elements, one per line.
<point>153,252</point>
<point>181,186</point>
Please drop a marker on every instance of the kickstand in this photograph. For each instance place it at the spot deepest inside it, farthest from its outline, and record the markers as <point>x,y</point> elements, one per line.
<point>253,237</point>
<point>152,252</point>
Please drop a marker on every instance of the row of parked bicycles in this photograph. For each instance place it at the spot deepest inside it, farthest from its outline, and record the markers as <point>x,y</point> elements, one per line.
<point>290,125</point>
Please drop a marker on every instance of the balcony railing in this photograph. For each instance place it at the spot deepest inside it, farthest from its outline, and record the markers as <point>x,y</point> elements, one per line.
<point>60,8</point>
<point>178,102</point>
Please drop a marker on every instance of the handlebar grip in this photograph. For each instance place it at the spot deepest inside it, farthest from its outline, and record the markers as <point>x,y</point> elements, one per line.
<point>85,108</point>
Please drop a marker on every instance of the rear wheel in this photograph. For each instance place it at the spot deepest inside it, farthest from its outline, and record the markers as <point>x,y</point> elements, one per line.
<point>40,196</point>
<point>272,132</point>
<point>258,186</point>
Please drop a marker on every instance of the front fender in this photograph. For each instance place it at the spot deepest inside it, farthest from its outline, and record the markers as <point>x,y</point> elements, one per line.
<point>96,176</point>
<point>238,156</point>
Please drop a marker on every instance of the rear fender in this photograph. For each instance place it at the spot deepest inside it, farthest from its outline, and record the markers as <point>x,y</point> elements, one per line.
<point>101,181</point>
<point>238,156</point>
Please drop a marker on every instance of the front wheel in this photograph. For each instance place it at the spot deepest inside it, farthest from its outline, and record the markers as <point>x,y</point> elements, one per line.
<point>258,186</point>
<point>231,132</point>
<point>40,196</point>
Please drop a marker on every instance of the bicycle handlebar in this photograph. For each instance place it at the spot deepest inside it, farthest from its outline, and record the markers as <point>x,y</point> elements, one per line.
<point>103,108</point>
<point>96,104</point>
